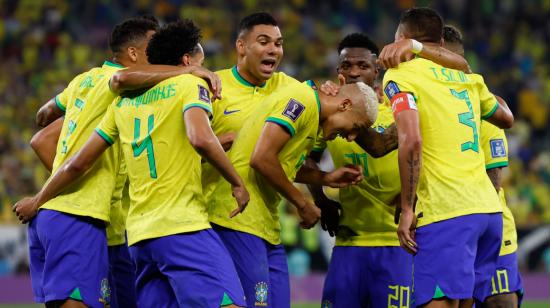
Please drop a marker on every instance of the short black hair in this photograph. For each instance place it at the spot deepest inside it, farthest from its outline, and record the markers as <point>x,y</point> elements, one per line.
<point>451,34</point>
<point>358,40</point>
<point>131,31</point>
<point>423,24</point>
<point>173,41</point>
<point>259,18</point>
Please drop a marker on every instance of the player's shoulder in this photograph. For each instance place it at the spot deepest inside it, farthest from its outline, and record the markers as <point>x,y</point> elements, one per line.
<point>185,81</point>
<point>279,79</point>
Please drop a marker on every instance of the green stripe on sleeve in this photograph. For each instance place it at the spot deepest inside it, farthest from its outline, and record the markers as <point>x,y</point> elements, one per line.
<point>206,107</point>
<point>488,115</point>
<point>496,165</point>
<point>59,105</point>
<point>284,124</point>
<point>105,137</point>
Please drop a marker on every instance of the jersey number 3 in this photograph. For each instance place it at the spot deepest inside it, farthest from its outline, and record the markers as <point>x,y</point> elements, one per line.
<point>146,144</point>
<point>467,118</point>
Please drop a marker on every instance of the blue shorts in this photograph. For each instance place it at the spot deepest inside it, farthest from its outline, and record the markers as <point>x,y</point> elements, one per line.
<point>185,270</point>
<point>456,256</point>
<point>261,266</point>
<point>68,258</point>
<point>122,277</point>
<point>506,278</point>
<point>368,277</point>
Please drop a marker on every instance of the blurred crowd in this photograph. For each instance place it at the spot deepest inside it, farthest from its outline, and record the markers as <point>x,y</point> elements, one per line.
<point>43,44</point>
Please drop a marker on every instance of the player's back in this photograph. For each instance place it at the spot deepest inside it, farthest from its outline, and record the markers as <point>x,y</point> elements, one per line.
<point>85,101</point>
<point>163,167</point>
<point>450,106</point>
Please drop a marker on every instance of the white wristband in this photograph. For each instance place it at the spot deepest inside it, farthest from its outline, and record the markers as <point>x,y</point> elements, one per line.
<point>416,46</point>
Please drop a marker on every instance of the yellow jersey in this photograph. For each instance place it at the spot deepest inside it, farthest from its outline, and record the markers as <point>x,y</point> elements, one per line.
<point>163,168</point>
<point>368,207</point>
<point>495,149</point>
<point>296,108</point>
<point>85,101</point>
<point>239,99</point>
<point>450,104</point>
<point>116,230</point>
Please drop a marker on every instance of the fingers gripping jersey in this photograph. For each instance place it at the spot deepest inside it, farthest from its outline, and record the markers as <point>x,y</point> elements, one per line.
<point>296,109</point>
<point>450,104</point>
<point>163,168</point>
<point>495,150</point>
<point>85,101</point>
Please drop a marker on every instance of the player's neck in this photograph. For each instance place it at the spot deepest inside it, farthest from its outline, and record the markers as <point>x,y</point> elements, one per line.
<point>326,107</point>
<point>245,74</point>
<point>121,61</point>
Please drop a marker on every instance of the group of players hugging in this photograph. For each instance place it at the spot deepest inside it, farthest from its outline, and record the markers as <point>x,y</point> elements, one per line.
<point>166,177</point>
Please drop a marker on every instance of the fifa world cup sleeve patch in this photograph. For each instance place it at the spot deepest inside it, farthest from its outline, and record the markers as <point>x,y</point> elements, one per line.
<point>203,94</point>
<point>497,148</point>
<point>402,101</point>
<point>293,109</point>
<point>391,89</point>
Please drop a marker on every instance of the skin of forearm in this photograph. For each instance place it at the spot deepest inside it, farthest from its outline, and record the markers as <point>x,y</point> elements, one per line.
<point>309,175</point>
<point>444,57</point>
<point>378,144</point>
<point>315,189</point>
<point>270,168</point>
<point>48,113</point>
<point>410,162</point>
<point>212,151</point>
<point>144,76</point>
<point>495,176</point>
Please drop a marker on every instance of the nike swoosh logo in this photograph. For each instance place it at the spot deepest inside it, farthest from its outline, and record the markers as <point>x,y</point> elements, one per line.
<point>226,112</point>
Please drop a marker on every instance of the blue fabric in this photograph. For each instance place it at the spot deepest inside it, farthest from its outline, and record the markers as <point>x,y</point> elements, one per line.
<point>122,277</point>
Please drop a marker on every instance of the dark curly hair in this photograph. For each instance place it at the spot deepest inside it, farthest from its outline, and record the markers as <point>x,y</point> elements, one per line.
<point>131,31</point>
<point>423,24</point>
<point>259,18</point>
<point>358,40</point>
<point>451,34</point>
<point>173,41</point>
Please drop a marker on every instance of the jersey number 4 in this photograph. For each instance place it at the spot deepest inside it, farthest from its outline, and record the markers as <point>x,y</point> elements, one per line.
<point>467,118</point>
<point>146,144</point>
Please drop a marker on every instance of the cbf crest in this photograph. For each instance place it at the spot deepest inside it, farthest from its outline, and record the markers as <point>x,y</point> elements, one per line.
<point>261,294</point>
<point>105,292</point>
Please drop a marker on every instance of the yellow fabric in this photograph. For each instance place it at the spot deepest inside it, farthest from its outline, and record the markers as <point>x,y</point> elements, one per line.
<point>163,168</point>
<point>239,100</point>
<point>261,217</point>
<point>450,104</point>
<point>368,208</point>
<point>495,149</point>
<point>120,202</point>
<point>85,100</point>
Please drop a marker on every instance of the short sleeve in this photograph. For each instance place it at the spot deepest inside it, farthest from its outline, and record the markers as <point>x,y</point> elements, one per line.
<point>488,102</point>
<point>398,92</point>
<point>197,95</point>
<point>320,143</point>
<point>61,100</point>
<point>495,146</point>
<point>107,128</point>
<point>287,113</point>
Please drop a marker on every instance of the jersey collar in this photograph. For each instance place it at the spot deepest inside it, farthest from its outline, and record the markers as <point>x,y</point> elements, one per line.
<point>242,80</point>
<point>109,63</point>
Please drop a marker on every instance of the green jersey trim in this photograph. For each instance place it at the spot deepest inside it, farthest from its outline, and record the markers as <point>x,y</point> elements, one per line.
<point>318,101</point>
<point>112,64</point>
<point>59,105</point>
<point>490,114</point>
<point>105,137</point>
<point>199,105</point>
<point>242,80</point>
<point>284,124</point>
<point>496,165</point>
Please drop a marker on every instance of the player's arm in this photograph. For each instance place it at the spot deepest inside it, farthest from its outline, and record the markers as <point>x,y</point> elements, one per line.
<point>378,144</point>
<point>395,53</point>
<point>502,116</point>
<point>44,143</point>
<point>70,171</point>
<point>265,161</point>
<point>495,176</point>
<point>49,112</point>
<point>410,162</point>
<point>145,76</point>
<point>330,210</point>
<point>204,141</point>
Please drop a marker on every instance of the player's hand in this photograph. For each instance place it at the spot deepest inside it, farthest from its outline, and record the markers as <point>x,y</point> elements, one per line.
<point>332,89</point>
<point>406,231</point>
<point>242,196</point>
<point>395,53</point>
<point>226,140</point>
<point>211,78</point>
<point>26,209</point>
<point>309,214</point>
<point>330,215</point>
<point>343,176</point>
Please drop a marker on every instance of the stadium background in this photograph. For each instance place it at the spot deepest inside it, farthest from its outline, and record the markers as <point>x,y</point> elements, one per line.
<point>43,44</point>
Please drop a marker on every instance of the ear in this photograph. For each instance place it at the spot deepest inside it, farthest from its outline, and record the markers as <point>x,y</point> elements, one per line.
<point>186,59</point>
<point>240,45</point>
<point>132,53</point>
<point>442,42</point>
<point>345,104</point>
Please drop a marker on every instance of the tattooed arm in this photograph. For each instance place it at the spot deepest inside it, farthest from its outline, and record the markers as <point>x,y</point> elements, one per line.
<point>378,144</point>
<point>495,176</point>
<point>410,162</point>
